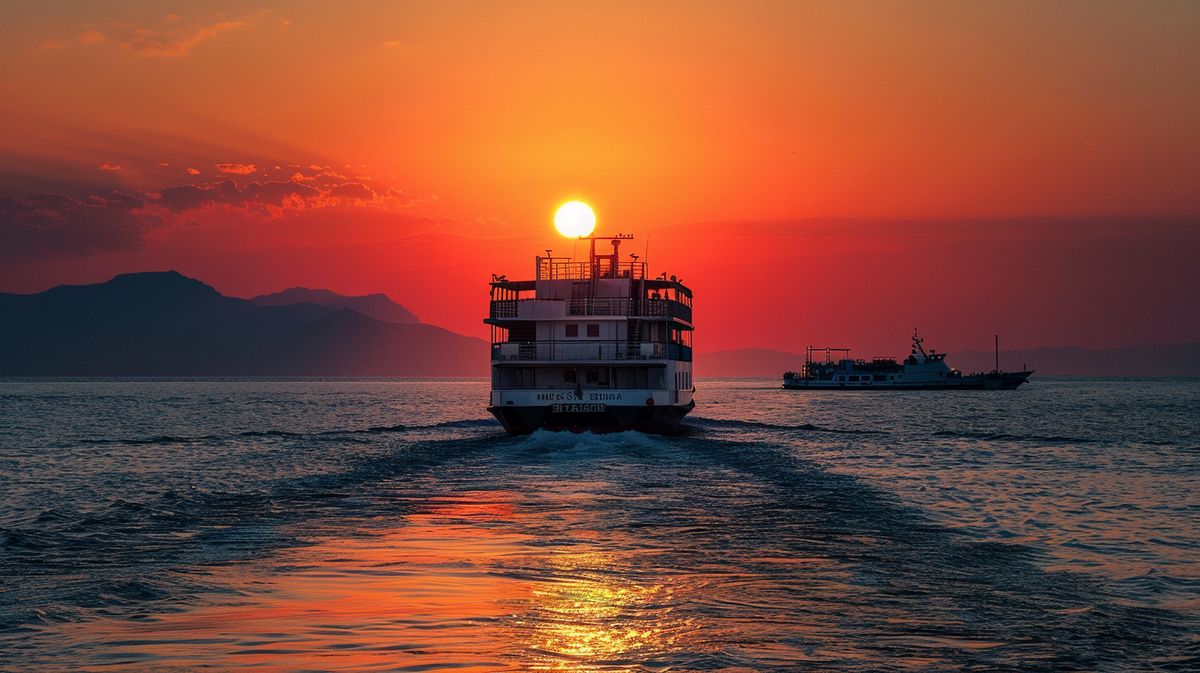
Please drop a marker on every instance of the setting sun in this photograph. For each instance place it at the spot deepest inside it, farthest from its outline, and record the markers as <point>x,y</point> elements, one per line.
<point>574,219</point>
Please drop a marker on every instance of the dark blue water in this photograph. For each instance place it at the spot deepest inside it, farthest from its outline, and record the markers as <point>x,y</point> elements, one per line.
<point>389,525</point>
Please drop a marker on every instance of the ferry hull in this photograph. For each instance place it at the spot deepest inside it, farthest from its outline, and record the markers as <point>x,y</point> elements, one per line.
<point>1004,381</point>
<point>658,420</point>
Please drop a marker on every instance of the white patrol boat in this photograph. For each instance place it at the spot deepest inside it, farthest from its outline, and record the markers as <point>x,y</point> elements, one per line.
<point>591,344</point>
<point>921,370</point>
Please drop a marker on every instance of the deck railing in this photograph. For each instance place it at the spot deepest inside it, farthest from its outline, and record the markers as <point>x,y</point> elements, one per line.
<point>588,349</point>
<point>555,268</point>
<point>602,306</point>
<point>503,308</point>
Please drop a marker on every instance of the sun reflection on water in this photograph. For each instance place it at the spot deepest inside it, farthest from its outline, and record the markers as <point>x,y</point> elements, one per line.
<point>592,615</point>
<point>459,585</point>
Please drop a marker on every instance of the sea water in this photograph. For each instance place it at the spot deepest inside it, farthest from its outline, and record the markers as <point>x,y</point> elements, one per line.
<point>355,525</point>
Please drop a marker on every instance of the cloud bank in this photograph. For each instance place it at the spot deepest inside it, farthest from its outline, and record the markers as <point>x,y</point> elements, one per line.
<point>43,225</point>
<point>170,38</point>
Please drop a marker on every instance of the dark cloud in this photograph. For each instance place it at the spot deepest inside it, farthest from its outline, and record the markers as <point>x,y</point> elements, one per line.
<point>185,197</point>
<point>254,196</point>
<point>190,197</point>
<point>170,43</point>
<point>402,197</point>
<point>54,224</point>
<point>237,169</point>
<point>353,190</point>
<point>277,193</point>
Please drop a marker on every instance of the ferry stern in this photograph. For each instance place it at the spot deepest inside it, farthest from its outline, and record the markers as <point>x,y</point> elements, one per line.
<point>591,345</point>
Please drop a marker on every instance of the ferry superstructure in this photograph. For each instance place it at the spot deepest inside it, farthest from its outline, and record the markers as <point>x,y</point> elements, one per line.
<point>921,370</point>
<point>591,344</point>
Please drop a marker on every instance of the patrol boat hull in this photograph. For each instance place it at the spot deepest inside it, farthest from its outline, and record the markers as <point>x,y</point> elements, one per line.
<point>1005,381</point>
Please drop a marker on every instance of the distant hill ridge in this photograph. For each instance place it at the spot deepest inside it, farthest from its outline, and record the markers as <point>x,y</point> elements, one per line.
<point>378,306</point>
<point>163,323</point>
<point>1144,360</point>
<point>166,324</point>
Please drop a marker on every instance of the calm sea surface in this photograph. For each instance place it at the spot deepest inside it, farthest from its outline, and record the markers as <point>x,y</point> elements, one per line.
<point>391,526</point>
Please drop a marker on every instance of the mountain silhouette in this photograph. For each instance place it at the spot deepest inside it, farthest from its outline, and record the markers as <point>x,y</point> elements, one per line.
<point>378,306</point>
<point>166,324</point>
<point>320,348</point>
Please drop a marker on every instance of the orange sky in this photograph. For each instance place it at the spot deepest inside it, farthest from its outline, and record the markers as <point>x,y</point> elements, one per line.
<point>818,172</point>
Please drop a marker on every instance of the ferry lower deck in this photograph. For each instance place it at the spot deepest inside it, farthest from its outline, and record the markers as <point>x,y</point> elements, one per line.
<point>594,396</point>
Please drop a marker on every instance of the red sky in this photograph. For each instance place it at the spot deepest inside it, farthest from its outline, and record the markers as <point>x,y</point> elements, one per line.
<point>819,173</point>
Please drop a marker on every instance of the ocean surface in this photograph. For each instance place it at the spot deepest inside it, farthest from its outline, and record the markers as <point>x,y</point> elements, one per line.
<point>351,525</point>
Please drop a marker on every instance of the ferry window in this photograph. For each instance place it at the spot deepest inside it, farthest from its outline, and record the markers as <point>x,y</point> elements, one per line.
<point>517,377</point>
<point>593,376</point>
<point>593,331</point>
<point>572,330</point>
<point>853,378</point>
<point>569,376</point>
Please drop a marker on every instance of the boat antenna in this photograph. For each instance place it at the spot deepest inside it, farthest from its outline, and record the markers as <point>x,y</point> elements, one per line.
<point>646,254</point>
<point>997,337</point>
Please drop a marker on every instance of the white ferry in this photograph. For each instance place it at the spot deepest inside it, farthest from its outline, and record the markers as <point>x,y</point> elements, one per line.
<point>921,370</point>
<point>591,344</point>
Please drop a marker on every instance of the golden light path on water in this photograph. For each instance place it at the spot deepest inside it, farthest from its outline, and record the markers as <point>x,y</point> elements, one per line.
<point>448,589</point>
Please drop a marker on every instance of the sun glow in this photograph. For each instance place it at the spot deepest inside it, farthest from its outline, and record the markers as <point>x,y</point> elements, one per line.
<point>574,219</point>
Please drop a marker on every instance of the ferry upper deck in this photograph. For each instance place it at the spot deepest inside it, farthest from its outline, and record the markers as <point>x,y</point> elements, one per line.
<point>600,308</point>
